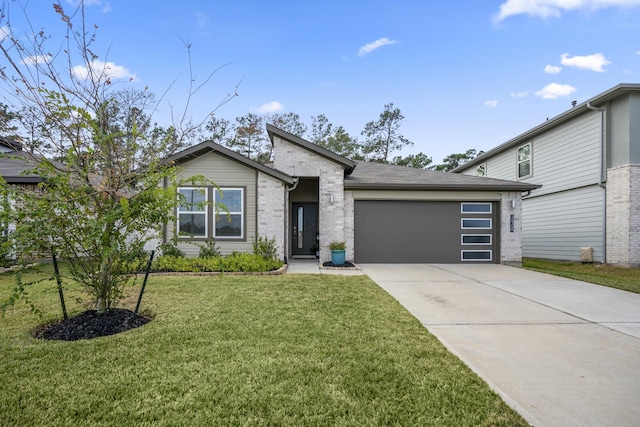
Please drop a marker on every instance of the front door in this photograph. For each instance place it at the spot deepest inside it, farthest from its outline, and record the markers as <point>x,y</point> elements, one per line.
<point>304,228</point>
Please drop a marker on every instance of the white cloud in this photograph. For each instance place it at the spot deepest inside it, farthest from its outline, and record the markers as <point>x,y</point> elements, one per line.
<point>271,107</point>
<point>593,62</point>
<point>554,8</point>
<point>370,47</point>
<point>4,32</point>
<point>35,59</point>
<point>202,19</point>
<point>103,70</point>
<point>104,5</point>
<point>520,94</point>
<point>491,104</point>
<point>555,91</point>
<point>552,69</point>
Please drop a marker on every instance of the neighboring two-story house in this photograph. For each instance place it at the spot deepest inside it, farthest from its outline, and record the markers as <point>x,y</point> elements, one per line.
<point>587,160</point>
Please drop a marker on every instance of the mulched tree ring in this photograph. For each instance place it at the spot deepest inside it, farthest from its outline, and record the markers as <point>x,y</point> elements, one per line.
<point>90,324</point>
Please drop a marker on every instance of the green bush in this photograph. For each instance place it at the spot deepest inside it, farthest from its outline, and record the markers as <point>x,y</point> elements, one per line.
<point>266,248</point>
<point>236,262</point>
<point>209,249</point>
<point>170,249</point>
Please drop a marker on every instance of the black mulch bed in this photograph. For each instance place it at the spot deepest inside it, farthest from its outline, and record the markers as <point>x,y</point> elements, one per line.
<point>347,264</point>
<point>90,324</point>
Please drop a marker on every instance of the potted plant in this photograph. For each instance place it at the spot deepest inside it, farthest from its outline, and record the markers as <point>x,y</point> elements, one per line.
<point>337,252</point>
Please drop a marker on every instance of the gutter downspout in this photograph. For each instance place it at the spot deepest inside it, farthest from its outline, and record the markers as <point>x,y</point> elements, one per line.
<point>296,181</point>
<point>601,183</point>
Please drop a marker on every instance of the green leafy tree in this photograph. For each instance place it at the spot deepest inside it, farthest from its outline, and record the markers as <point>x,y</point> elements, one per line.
<point>418,161</point>
<point>288,122</point>
<point>452,161</point>
<point>249,138</point>
<point>218,130</point>
<point>109,190</point>
<point>382,137</point>
<point>336,139</point>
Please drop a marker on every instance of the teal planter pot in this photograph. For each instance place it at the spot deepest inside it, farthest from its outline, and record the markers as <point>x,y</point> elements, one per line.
<point>337,257</point>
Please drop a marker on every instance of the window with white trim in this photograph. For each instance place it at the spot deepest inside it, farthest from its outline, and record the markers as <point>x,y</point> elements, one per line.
<point>476,239</point>
<point>476,255</point>
<point>476,223</point>
<point>524,161</point>
<point>230,222</point>
<point>467,207</point>
<point>192,212</point>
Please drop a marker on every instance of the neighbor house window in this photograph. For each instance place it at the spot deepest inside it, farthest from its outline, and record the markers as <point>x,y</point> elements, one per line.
<point>230,217</point>
<point>192,212</point>
<point>524,161</point>
<point>481,170</point>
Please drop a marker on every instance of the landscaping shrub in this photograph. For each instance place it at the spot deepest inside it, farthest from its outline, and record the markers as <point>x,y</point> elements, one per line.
<point>236,262</point>
<point>209,249</point>
<point>266,248</point>
<point>170,249</point>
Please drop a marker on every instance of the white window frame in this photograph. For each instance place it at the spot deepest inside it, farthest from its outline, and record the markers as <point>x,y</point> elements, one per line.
<point>462,220</point>
<point>490,252</point>
<point>463,204</point>
<point>204,212</point>
<point>216,192</point>
<point>462,242</point>
<point>529,160</point>
<point>481,170</point>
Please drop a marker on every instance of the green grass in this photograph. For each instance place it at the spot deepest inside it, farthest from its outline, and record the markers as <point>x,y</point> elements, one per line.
<point>627,279</point>
<point>290,350</point>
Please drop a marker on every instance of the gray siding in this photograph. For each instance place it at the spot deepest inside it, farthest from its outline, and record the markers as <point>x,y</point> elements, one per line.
<point>224,172</point>
<point>556,226</point>
<point>568,211</point>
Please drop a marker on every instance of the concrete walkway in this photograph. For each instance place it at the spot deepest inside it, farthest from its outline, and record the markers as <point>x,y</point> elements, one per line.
<point>561,352</point>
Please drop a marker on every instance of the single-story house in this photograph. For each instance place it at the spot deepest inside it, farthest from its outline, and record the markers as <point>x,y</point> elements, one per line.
<point>588,162</point>
<point>311,196</point>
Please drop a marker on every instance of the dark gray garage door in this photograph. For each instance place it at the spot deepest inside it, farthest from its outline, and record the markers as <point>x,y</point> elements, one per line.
<point>434,232</point>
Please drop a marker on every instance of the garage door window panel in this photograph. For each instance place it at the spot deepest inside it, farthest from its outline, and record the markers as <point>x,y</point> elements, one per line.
<point>477,255</point>
<point>476,223</point>
<point>475,208</point>
<point>476,239</point>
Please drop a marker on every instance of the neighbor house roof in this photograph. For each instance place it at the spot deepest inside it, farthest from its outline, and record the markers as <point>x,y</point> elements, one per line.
<point>596,101</point>
<point>14,166</point>
<point>380,176</point>
<point>209,146</point>
<point>347,163</point>
<point>9,144</point>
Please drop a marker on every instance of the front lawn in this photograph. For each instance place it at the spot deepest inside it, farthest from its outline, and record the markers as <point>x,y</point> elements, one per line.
<point>243,350</point>
<point>627,279</point>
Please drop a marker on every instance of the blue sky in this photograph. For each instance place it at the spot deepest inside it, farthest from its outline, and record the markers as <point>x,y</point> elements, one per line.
<point>465,74</point>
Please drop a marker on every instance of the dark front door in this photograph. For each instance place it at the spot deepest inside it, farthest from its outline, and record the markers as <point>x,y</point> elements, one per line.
<point>305,228</point>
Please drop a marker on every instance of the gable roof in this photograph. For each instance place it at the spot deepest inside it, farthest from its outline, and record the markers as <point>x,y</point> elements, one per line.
<point>348,164</point>
<point>596,101</point>
<point>380,176</point>
<point>210,146</point>
<point>13,166</point>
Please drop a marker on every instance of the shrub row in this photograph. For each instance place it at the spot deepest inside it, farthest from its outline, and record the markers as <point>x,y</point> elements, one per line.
<point>236,262</point>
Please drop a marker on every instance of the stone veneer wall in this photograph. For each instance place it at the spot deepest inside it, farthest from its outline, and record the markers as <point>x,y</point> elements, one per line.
<point>271,211</point>
<point>349,227</point>
<point>623,215</point>
<point>511,242</point>
<point>297,161</point>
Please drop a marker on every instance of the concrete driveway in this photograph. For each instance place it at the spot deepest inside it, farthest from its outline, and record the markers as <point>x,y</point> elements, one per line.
<point>560,351</point>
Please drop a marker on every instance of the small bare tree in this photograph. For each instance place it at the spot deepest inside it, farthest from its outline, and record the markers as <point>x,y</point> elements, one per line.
<point>106,188</point>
